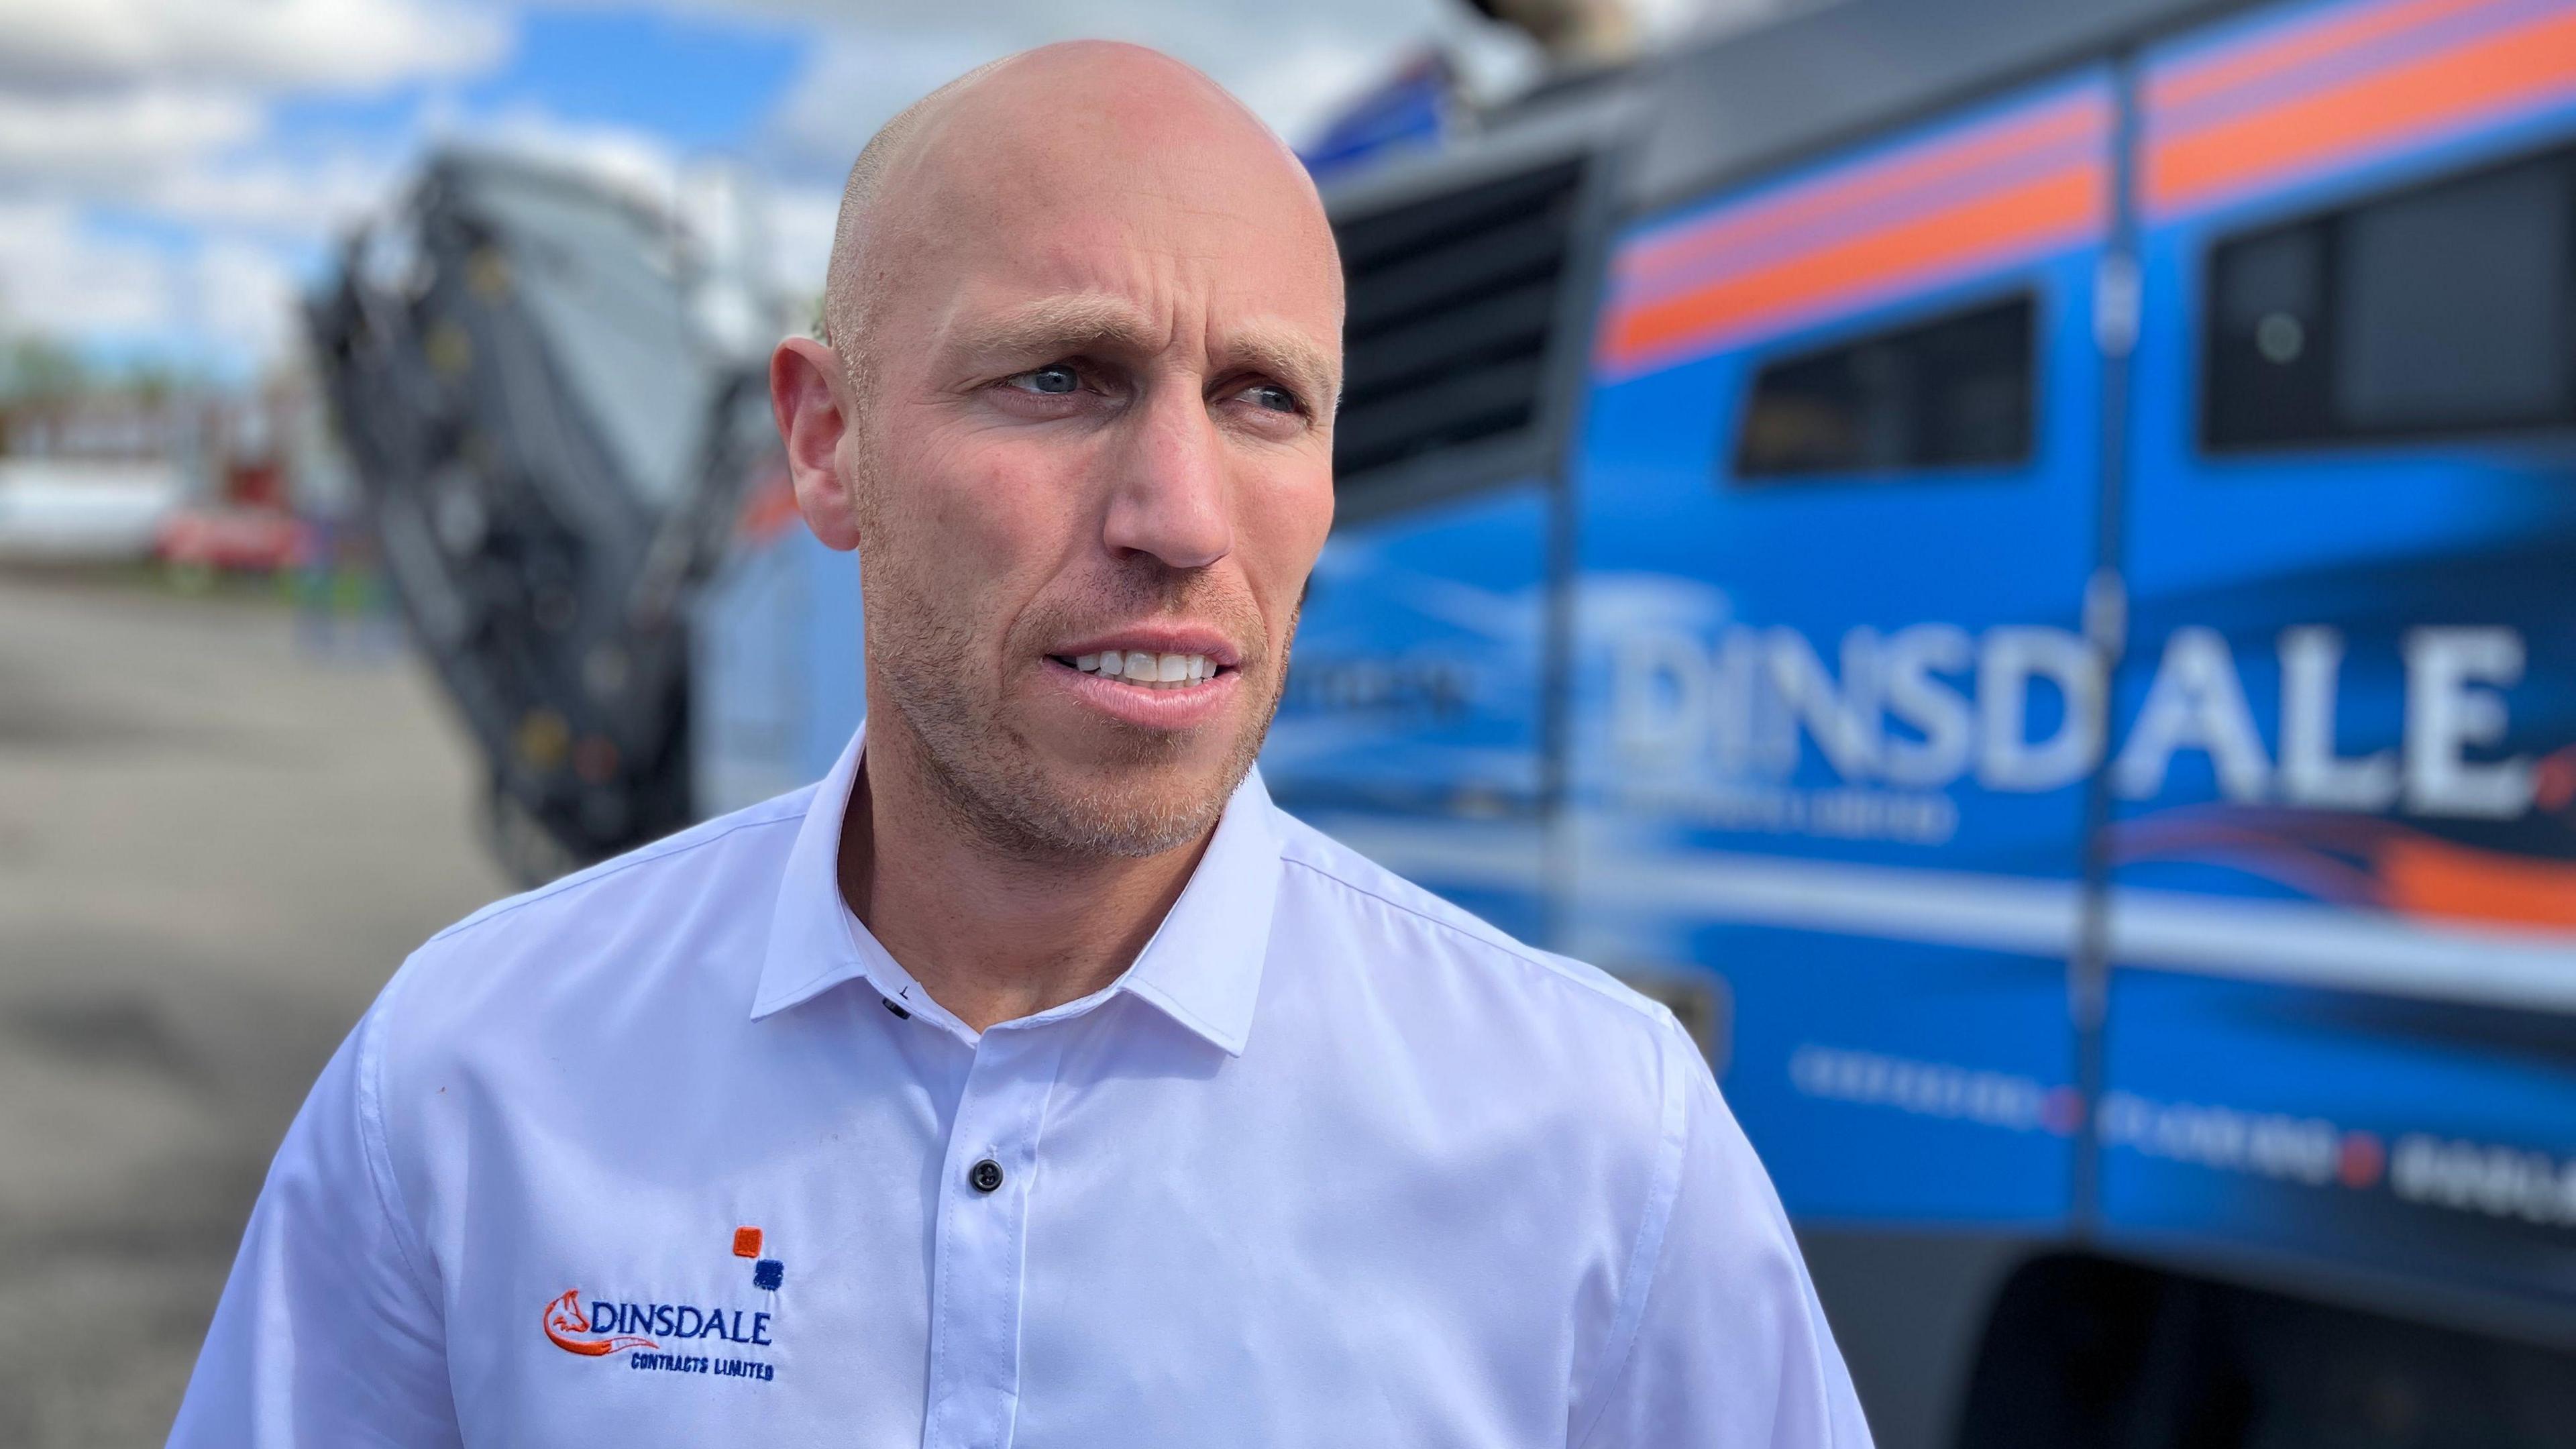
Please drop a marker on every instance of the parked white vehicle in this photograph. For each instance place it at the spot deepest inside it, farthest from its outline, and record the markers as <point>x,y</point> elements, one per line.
<point>61,510</point>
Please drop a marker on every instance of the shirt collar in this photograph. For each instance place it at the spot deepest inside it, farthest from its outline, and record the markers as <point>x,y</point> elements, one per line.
<point>1202,968</point>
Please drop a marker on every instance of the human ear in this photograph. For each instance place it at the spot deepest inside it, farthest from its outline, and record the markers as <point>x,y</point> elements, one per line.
<point>806,385</point>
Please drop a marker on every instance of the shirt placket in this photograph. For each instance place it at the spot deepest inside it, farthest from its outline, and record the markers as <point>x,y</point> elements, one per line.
<point>977,1266</point>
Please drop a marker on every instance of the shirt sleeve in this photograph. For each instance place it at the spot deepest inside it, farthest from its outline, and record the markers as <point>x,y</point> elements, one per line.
<point>328,1333</point>
<point>1728,1346</point>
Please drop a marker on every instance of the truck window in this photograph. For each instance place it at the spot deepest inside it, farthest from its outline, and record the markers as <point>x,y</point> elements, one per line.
<point>2441,309</point>
<point>1951,392</point>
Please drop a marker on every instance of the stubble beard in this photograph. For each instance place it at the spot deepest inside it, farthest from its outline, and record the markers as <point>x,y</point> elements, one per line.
<point>990,780</point>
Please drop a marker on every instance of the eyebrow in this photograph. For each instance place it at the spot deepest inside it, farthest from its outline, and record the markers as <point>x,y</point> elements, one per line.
<point>1286,355</point>
<point>1066,326</point>
<point>1057,326</point>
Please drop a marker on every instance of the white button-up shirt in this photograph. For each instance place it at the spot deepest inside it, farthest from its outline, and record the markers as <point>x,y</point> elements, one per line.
<point>672,1152</point>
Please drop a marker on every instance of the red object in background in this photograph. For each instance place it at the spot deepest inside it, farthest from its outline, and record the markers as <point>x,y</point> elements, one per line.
<point>251,540</point>
<point>256,485</point>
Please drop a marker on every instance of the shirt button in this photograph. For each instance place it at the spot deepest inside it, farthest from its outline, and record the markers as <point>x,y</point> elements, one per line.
<point>985,1175</point>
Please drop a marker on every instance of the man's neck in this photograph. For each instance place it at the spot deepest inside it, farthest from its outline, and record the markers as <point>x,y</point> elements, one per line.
<point>992,936</point>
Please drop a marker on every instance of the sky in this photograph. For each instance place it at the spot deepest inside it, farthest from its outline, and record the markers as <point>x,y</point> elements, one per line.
<point>175,173</point>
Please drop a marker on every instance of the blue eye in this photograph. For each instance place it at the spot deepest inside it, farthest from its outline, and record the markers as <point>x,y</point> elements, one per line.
<point>1054,379</point>
<point>1274,397</point>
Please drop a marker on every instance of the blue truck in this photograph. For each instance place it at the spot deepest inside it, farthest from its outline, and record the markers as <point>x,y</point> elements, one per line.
<point>2013,561</point>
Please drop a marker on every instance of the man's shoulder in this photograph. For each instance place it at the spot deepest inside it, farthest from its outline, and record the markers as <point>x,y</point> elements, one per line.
<point>708,846</point>
<point>609,927</point>
<point>1437,936</point>
<point>1549,1061</point>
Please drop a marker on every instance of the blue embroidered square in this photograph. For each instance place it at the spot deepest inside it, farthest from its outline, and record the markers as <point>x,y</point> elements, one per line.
<point>768,1273</point>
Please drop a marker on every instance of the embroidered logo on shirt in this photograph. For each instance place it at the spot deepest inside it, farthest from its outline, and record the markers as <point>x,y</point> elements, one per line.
<point>619,1325</point>
<point>564,1318</point>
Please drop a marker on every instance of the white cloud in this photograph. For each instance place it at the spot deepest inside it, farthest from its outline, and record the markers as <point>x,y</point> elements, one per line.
<point>244,299</point>
<point>60,279</point>
<point>314,45</point>
<point>801,221</point>
<point>160,110</point>
<point>857,79</point>
<point>106,137</point>
<point>306,197</point>
<point>225,304</point>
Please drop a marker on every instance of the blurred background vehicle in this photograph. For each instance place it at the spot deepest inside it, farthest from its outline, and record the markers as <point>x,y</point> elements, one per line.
<point>554,402</point>
<point>2012,561</point>
<point>2008,560</point>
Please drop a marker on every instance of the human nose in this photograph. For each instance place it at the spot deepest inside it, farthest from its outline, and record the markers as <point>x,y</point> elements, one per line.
<point>1170,498</point>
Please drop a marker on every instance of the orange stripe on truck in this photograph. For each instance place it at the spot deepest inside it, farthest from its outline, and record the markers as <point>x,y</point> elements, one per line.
<point>2261,60</point>
<point>2013,221</point>
<point>2492,74</point>
<point>1856,196</point>
<point>2429,877</point>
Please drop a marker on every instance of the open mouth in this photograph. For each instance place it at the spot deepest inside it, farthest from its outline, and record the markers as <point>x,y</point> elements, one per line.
<point>1146,669</point>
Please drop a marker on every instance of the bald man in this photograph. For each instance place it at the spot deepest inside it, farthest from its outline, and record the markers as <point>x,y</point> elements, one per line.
<point>1031,1080</point>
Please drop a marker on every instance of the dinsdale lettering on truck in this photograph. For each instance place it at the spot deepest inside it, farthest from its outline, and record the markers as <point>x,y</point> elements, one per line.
<point>1920,708</point>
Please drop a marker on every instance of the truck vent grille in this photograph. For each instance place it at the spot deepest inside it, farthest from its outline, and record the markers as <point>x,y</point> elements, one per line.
<point>1452,302</point>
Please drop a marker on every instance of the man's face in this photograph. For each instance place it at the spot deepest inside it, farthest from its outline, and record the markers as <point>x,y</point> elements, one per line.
<point>1091,469</point>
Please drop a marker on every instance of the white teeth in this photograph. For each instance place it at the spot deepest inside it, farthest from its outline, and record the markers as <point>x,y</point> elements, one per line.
<point>1153,671</point>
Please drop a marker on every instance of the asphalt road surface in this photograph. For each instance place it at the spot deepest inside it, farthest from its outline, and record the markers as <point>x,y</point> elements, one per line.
<point>216,842</point>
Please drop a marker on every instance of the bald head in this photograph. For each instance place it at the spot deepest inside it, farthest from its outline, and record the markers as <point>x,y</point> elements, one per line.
<point>1063,118</point>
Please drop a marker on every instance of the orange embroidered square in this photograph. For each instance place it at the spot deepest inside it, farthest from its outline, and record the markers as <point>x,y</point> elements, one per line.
<point>746,1242</point>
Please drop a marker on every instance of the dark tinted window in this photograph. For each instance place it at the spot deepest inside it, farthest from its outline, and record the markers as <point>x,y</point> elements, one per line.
<point>2442,309</point>
<point>1951,392</point>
